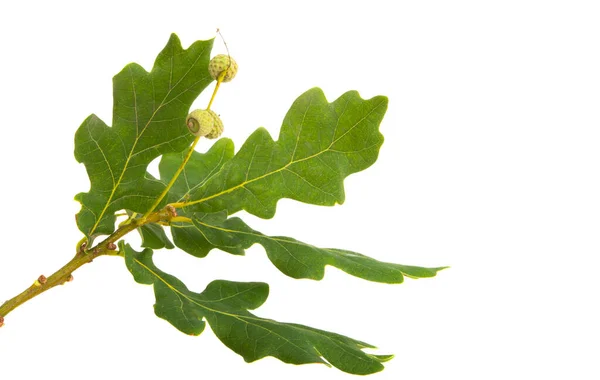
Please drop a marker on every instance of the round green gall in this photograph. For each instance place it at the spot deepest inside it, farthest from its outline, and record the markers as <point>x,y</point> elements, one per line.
<point>200,122</point>
<point>217,127</point>
<point>220,63</point>
<point>204,123</point>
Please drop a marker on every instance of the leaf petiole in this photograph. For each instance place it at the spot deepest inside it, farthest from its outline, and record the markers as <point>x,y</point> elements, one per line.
<point>181,219</point>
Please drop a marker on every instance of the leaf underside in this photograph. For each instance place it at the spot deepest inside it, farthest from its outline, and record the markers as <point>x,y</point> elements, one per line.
<point>225,306</point>
<point>148,120</point>
<point>294,258</point>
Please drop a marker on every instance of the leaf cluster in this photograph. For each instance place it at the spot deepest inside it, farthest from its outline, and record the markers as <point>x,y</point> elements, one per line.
<point>319,145</point>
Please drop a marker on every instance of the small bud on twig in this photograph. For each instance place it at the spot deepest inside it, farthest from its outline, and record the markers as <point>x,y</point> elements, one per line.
<point>1,321</point>
<point>42,279</point>
<point>111,246</point>
<point>69,279</point>
<point>172,211</point>
<point>166,214</point>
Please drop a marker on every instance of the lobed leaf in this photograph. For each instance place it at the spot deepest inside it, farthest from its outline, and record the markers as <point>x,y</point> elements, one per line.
<point>225,306</point>
<point>148,120</point>
<point>292,257</point>
<point>319,145</point>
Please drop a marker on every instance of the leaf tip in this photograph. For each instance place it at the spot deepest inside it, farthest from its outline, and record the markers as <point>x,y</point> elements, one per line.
<point>174,40</point>
<point>382,358</point>
<point>383,98</point>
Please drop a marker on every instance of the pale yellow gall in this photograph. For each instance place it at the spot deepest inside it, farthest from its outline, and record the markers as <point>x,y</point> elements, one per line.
<point>222,63</point>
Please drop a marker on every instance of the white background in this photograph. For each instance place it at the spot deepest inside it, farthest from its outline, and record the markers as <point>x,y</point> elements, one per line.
<point>490,165</point>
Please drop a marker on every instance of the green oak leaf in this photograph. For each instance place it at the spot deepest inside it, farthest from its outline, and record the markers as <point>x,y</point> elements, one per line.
<point>320,144</point>
<point>148,120</point>
<point>292,257</point>
<point>225,306</point>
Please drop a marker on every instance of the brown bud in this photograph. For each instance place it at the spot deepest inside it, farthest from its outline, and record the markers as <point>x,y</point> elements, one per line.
<point>42,279</point>
<point>172,211</point>
<point>111,246</point>
<point>1,321</point>
<point>69,279</point>
<point>82,248</point>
